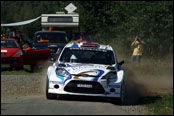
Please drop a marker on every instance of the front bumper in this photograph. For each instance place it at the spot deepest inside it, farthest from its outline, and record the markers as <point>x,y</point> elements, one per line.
<point>13,62</point>
<point>98,89</point>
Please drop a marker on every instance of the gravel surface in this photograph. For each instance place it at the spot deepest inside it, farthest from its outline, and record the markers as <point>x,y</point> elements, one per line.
<point>18,86</point>
<point>21,85</point>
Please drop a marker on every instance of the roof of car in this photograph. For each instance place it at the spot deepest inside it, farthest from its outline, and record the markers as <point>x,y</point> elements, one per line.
<point>63,32</point>
<point>75,44</point>
<point>9,39</point>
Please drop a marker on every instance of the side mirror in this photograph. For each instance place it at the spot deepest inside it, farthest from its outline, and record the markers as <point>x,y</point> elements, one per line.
<point>120,63</point>
<point>29,49</point>
<point>58,51</point>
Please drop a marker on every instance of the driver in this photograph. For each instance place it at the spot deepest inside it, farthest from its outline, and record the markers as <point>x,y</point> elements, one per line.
<point>73,59</point>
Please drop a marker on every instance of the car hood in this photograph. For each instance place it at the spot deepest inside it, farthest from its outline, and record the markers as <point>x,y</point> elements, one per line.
<point>9,52</point>
<point>86,70</point>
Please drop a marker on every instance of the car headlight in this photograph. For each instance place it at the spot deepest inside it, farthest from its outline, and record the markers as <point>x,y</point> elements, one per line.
<point>110,75</point>
<point>18,53</point>
<point>61,72</point>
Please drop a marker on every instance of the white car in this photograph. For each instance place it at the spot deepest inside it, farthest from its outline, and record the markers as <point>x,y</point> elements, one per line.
<point>88,69</point>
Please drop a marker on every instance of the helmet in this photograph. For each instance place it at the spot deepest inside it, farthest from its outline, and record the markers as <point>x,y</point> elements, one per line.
<point>73,58</point>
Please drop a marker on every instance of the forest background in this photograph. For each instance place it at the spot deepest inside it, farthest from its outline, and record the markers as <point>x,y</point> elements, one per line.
<point>111,22</point>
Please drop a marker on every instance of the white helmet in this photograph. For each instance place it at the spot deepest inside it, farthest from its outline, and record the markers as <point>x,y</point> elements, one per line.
<point>73,58</point>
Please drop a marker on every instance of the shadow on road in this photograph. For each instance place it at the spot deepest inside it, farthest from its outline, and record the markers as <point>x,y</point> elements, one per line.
<point>82,98</point>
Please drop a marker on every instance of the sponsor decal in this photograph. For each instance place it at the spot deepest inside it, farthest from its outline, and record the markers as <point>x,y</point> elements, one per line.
<point>86,74</point>
<point>81,67</point>
<point>114,86</point>
<point>56,82</point>
<point>93,49</point>
<point>84,85</point>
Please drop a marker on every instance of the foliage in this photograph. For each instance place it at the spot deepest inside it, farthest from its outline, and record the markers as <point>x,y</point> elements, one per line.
<point>118,21</point>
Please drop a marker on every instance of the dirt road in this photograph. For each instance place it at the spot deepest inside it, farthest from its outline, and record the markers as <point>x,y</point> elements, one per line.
<point>23,95</point>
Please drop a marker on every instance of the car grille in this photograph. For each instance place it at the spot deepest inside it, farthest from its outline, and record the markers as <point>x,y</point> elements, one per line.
<point>9,60</point>
<point>95,89</point>
<point>3,54</point>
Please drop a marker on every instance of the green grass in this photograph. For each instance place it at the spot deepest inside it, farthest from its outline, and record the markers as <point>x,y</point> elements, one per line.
<point>163,105</point>
<point>26,71</point>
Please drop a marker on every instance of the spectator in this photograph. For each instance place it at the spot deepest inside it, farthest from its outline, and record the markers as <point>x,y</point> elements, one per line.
<point>3,36</point>
<point>81,38</point>
<point>137,52</point>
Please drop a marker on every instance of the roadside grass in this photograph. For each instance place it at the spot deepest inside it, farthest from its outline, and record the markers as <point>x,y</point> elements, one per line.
<point>159,105</point>
<point>26,71</point>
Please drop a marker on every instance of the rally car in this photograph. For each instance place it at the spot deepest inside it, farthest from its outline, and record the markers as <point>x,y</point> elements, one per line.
<point>87,69</point>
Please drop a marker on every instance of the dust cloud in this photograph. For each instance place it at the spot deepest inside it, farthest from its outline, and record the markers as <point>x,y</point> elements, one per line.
<point>147,80</point>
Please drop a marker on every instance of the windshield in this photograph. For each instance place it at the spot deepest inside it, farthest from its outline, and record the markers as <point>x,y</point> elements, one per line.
<point>51,38</point>
<point>9,44</point>
<point>88,55</point>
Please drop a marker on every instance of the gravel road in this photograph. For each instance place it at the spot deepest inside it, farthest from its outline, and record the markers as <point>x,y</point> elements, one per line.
<point>21,94</point>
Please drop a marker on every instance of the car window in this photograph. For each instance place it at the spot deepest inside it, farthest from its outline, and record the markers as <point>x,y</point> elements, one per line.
<point>51,38</point>
<point>9,44</point>
<point>88,56</point>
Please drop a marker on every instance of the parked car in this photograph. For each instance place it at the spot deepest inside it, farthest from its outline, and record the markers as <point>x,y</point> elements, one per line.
<point>11,54</point>
<point>55,40</point>
<point>88,69</point>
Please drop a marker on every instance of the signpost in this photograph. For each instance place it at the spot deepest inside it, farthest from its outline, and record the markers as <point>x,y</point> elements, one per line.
<point>70,8</point>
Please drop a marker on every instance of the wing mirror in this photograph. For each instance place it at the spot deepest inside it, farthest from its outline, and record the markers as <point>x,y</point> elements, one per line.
<point>120,63</point>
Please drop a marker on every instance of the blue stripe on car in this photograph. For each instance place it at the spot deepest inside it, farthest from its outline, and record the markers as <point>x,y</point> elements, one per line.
<point>99,73</point>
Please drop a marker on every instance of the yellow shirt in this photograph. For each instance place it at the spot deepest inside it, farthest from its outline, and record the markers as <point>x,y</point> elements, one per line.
<point>138,49</point>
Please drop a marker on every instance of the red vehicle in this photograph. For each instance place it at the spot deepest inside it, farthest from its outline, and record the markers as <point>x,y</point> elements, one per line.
<point>13,56</point>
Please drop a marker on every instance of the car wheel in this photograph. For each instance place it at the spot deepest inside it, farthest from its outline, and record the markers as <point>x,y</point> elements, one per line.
<point>49,95</point>
<point>19,68</point>
<point>32,67</point>
<point>122,94</point>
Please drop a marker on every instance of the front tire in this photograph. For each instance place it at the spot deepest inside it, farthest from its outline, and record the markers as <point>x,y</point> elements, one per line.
<point>122,94</point>
<point>49,95</point>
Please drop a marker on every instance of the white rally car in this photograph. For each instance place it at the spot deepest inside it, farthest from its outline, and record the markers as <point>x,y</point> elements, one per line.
<point>88,69</point>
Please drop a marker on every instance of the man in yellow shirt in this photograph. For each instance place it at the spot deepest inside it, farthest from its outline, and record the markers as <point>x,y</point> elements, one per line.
<point>137,52</point>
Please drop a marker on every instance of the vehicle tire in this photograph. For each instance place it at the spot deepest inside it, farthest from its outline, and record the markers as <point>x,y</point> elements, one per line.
<point>10,69</point>
<point>20,68</point>
<point>34,68</point>
<point>49,95</point>
<point>122,94</point>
